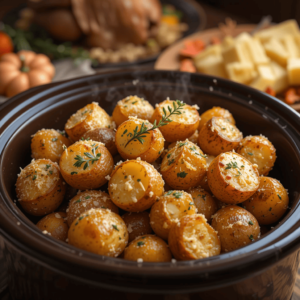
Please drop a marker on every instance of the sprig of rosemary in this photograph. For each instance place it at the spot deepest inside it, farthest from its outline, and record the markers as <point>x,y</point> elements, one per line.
<point>138,135</point>
<point>92,158</point>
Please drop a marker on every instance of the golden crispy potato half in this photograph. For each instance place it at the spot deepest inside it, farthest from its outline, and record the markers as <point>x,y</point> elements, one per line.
<point>183,125</point>
<point>105,136</point>
<point>259,150</point>
<point>193,238</point>
<point>99,231</point>
<point>55,225</point>
<point>134,185</point>
<point>204,202</point>
<point>86,200</point>
<point>40,187</point>
<point>138,224</point>
<point>270,201</point>
<point>48,143</point>
<point>147,146</point>
<point>132,106</point>
<point>215,112</point>
<point>148,248</point>
<point>203,183</point>
<point>218,136</point>
<point>194,138</point>
<point>86,165</point>
<point>232,178</point>
<point>184,166</point>
<point>236,227</point>
<point>168,209</point>
<point>87,118</point>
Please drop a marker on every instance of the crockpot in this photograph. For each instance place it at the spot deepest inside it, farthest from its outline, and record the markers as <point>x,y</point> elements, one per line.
<point>39,267</point>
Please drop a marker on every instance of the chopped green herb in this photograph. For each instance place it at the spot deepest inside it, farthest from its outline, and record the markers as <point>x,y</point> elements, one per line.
<point>168,155</point>
<point>181,144</point>
<point>34,177</point>
<point>115,227</point>
<point>177,195</point>
<point>270,208</point>
<point>62,132</point>
<point>47,167</point>
<point>191,203</point>
<point>120,238</point>
<point>242,166</point>
<point>80,218</point>
<point>169,193</point>
<point>182,174</point>
<point>78,201</point>
<point>54,139</point>
<point>51,172</point>
<point>73,173</point>
<point>138,180</point>
<point>251,237</point>
<point>140,243</point>
<point>249,153</point>
<point>171,161</point>
<point>87,197</point>
<point>223,128</point>
<point>92,158</point>
<point>279,196</point>
<point>134,102</point>
<point>189,208</point>
<point>232,165</point>
<point>250,223</point>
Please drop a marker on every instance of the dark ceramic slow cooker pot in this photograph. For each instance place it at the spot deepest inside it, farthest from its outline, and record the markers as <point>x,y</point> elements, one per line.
<point>39,267</point>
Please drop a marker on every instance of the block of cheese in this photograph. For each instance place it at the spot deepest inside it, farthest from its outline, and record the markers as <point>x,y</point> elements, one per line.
<point>211,50</point>
<point>236,52</point>
<point>211,65</point>
<point>293,69</point>
<point>275,50</point>
<point>290,45</point>
<point>281,77</point>
<point>244,36</point>
<point>278,31</point>
<point>227,41</point>
<point>265,78</point>
<point>257,52</point>
<point>242,72</point>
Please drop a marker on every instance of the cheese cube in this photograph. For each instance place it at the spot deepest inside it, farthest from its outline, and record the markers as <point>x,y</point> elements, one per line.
<point>293,70</point>
<point>281,77</point>
<point>289,44</point>
<point>236,53</point>
<point>211,50</point>
<point>278,31</point>
<point>243,37</point>
<point>227,41</point>
<point>212,65</point>
<point>241,72</point>
<point>265,78</point>
<point>257,52</point>
<point>276,52</point>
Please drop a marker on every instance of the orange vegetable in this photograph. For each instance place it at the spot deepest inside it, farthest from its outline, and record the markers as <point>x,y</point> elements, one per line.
<point>215,40</point>
<point>187,65</point>
<point>192,48</point>
<point>21,71</point>
<point>6,45</point>
<point>269,90</point>
<point>170,19</point>
<point>291,96</point>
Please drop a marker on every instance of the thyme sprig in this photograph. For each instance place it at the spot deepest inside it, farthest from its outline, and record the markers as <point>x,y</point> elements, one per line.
<point>138,135</point>
<point>92,158</point>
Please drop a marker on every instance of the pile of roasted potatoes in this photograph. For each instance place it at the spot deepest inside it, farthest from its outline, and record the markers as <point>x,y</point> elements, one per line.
<point>152,184</point>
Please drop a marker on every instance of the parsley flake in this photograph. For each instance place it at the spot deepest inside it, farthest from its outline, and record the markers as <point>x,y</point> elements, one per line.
<point>182,174</point>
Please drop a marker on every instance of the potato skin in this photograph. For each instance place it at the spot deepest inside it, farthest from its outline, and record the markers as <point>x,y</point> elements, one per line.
<point>99,231</point>
<point>236,227</point>
<point>220,185</point>
<point>40,187</point>
<point>86,200</point>
<point>204,202</point>
<point>193,238</point>
<point>148,248</point>
<point>269,203</point>
<point>87,118</point>
<point>138,224</point>
<point>216,111</point>
<point>132,106</point>
<point>95,174</point>
<point>182,126</point>
<point>184,166</point>
<point>48,144</point>
<point>213,140</point>
<point>120,185</point>
<point>105,136</point>
<point>56,225</point>
<point>168,209</point>
<point>259,150</point>
<point>149,150</point>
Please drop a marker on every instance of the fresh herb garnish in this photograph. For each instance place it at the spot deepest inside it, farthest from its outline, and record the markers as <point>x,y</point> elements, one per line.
<point>92,158</point>
<point>182,174</point>
<point>73,173</point>
<point>115,227</point>
<point>250,223</point>
<point>232,165</point>
<point>78,201</point>
<point>177,195</point>
<point>181,144</point>
<point>54,139</point>
<point>249,153</point>
<point>87,197</point>
<point>279,196</point>
<point>251,237</point>
<point>34,177</point>
<point>140,243</point>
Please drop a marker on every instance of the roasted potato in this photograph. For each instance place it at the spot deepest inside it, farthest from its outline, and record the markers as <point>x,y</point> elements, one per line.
<point>40,187</point>
<point>147,146</point>
<point>86,200</point>
<point>269,203</point>
<point>168,209</point>
<point>132,106</point>
<point>86,165</point>
<point>48,143</point>
<point>184,122</point>
<point>148,248</point>
<point>203,183</point>
<point>134,185</point>
<point>87,118</point>
<point>232,178</point>
<point>184,166</point>
<point>193,238</point>
<point>218,136</point>
<point>100,231</point>
<point>194,138</point>
<point>258,150</point>
<point>55,225</point>
<point>103,135</point>
<point>236,227</point>
<point>137,224</point>
<point>215,112</point>
<point>205,203</point>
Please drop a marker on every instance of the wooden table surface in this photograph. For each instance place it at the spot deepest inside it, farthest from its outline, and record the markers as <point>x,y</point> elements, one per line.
<point>214,17</point>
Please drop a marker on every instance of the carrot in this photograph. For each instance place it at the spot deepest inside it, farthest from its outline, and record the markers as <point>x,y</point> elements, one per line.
<point>269,90</point>
<point>291,96</point>
<point>187,65</point>
<point>192,48</point>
